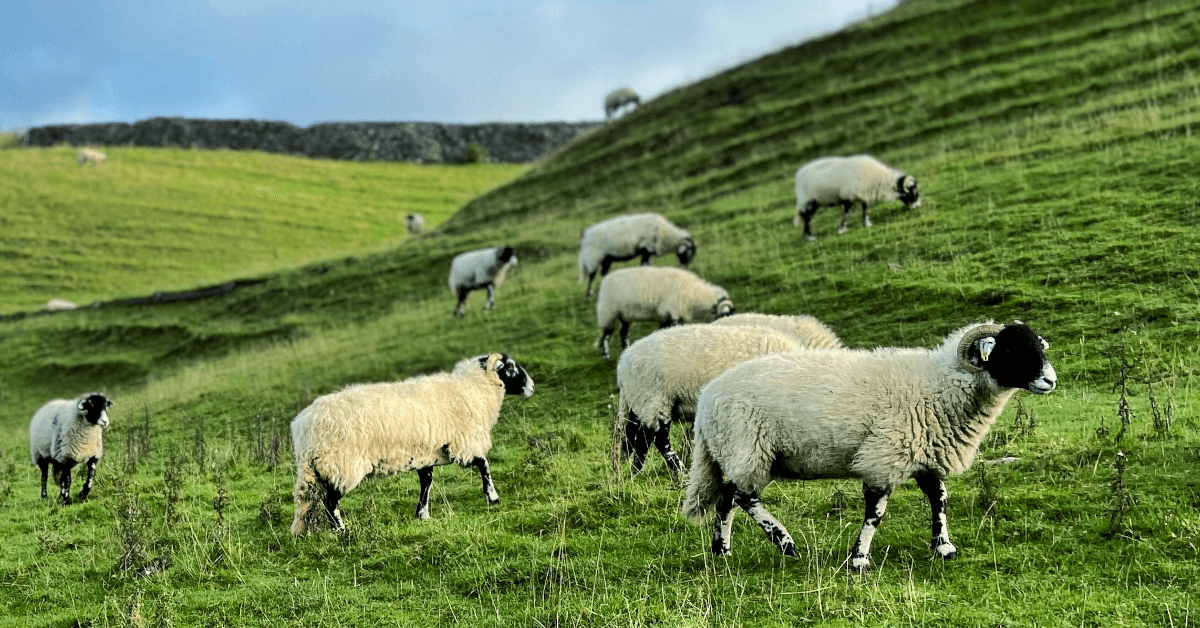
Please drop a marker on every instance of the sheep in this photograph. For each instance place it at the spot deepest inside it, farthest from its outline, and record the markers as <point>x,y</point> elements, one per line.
<point>626,237</point>
<point>845,180</point>
<point>375,430</point>
<point>65,432</point>
<point>482,268</point>
<point>649,293</point>
<point>661,375</point>
<point>59,305</point>
<point>414,223</point>
<point>809,331</point>
<point>618,98</point>
<point>883,415</point>
<point>91,156</point>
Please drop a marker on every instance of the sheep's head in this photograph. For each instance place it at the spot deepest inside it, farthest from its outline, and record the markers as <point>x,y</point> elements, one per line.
<point>906,187</point>
<point>505,255</point>
<point>513,376</point>
<point>686,251</point>
<point>722,308</point>
<point>93,409</point>
<point>1013,355</point>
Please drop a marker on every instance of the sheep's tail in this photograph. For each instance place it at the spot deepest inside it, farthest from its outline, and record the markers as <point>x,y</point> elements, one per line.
<point>703,482</point>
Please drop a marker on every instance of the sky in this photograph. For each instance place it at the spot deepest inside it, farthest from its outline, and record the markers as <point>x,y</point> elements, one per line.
<point>451,61</point>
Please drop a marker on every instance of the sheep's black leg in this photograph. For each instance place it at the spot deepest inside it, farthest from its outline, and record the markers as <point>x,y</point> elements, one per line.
<point>461,309</point>
<point>935,490</point>
<point>591,277</point>
<point>332,497</point>
<point>669,321</point>
<point>489,489</point>
<point>624,334</point>
<point>641,444</point>
<point>775,530</point>
<point>491,300</point>
<point>44,465</point>
<point>807,214</point>
<point>425,475</point>
<point>91,475</point>
<point>63,471</point>
<point>876,503</point>
<point>604,336</point>
<point>866,219</point>
<point>662,440</point>
<point>846,205</point>
<point>723,527</point>
<point>645,257</point>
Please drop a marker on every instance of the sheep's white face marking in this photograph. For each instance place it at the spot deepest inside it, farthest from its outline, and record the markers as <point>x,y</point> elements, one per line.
<point>1047,380</point>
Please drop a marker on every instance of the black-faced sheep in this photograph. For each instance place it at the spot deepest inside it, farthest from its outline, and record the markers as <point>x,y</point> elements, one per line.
<point>626,237</point>
<point>90,156</point>
<point>414,223</point>
<point>845,181</point>
<point>65,432</point>
<point>648,293</point>
<point>883,416</point>
<point>375,430</point>
<point>482,268</point>
<point>618,98</point>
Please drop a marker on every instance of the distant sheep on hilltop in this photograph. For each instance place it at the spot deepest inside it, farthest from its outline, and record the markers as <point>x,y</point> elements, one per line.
<point>618,98</point>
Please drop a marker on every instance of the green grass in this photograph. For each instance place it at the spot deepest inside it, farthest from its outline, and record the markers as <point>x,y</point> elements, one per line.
<point>1054,145</point>
<point>161,219</point>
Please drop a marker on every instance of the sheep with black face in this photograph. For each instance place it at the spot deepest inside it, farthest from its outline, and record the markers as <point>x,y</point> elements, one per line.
<point>65,432</point>
<point>883,415</point>
<point>482,268</point>
<point>845,181</point>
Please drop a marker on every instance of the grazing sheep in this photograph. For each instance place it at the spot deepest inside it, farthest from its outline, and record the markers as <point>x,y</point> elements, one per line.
<point>58,305</point>
<point>846,180</point>
<point>626,237</point>
<point>618,98</point>
<point>91,156</point>
<point>883,416</point>
<point>648,293</point>
<point>65,432</point>
<point>374,430</point>
<point>807,330</point>
<point>414,223</point>
<point>483,268</point>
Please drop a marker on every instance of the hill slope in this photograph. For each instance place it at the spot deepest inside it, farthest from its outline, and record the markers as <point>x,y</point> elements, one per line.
<point>1054,147</point>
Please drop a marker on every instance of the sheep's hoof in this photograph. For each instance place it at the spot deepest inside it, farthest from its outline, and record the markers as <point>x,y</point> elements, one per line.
<point>719,549</point>
<point>788,549</point>
<point>860,564</point>
<point>843,230</point>
<point>946,551</point>
<point>810,238</point>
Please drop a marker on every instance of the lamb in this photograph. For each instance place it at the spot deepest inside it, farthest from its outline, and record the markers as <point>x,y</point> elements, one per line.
<point>626,237</point>
<point>65,432</point>
<point>807,330</point>
<point>845,180</point>
<point>482,268</point>
<point>883,416</point>
<point>414,223</point>
<point>91,156</point>
<point>374,430</point>
<point>650,293</point>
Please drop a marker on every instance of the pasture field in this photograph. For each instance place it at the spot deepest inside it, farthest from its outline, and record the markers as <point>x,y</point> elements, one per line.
<point>1055,146</point>
<point>175,219</point>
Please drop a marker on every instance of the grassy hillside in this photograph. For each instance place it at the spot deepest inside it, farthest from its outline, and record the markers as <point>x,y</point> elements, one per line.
<point>171,219</point>
<point>1054,145</point>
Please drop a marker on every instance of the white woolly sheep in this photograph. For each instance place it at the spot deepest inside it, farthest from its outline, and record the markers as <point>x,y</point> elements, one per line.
<point>661,375</point>
<point>649,293</point>
<point>846,180</point>
<point>65,432</point>
<point>883,416</point>
<point>414,223</point>
<point>91,156</point>
<point>618,98</point>
<point>807,330</point>
<point>59,305</point>
<point>482,268</point>
<point>626,237</point>
<point>375,430</point>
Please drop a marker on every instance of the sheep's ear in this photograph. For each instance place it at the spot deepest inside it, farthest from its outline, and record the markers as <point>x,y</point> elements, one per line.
<point>108,403</point>
<point>1045,345</point>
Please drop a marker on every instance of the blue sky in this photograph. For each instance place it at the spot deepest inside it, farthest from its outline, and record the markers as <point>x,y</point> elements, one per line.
<point>444,61</point>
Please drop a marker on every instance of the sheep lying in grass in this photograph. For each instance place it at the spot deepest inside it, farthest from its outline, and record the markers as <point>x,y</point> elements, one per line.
<point>618,98</point>
<point>60,305</point>
<point>414,223</point>
<point>626,237</point>
<point>90,156</point>
<point>482,268</point>
<point>374,430</point>
<point>846,180</point>
<point>648,293</point>
<point>65,432</point>
<point>660,376</point>
<point>884,416</point>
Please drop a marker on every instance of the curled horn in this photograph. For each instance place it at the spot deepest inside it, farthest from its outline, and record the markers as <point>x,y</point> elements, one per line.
<point>972,336</point>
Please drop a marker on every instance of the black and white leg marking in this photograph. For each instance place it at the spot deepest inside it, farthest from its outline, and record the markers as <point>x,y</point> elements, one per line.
<point>425,475</point>
<point>640,440</point>
<point>332,497</point>
<point>604,337</point>
<point>866,219</point>
<point>662,440</point>
<point>876,504</point>
<point>491,300</point>
<point>723,526</point>
<point>806,215</point>
<point>461,309</point>
<point>91,475</point>
<point>591,277</point>
<point>44,465</point>
<point>765,520</point>
<point>846,205</point>
<point>489,489</point>
<point>935,490</point>
<point>62,471</point>
<point>624,334</point>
